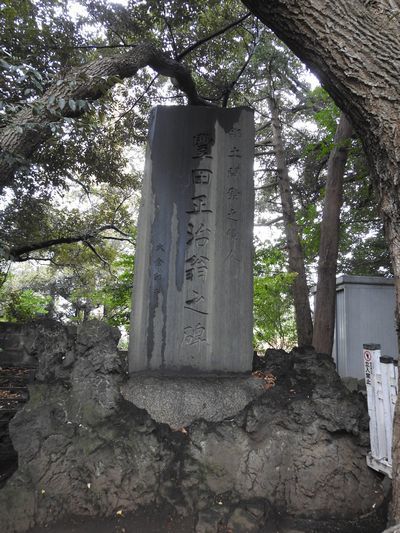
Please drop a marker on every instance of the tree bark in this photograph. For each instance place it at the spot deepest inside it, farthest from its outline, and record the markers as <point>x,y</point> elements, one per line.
<point>30,127</point>
<point>325,303</point>
<point>354,48</point>
<point>304,324</point>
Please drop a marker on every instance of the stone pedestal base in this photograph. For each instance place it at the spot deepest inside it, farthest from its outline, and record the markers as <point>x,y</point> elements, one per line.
<point>179,401</point>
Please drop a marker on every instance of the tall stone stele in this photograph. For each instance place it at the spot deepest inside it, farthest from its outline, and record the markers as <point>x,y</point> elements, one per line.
<point>192,299</point>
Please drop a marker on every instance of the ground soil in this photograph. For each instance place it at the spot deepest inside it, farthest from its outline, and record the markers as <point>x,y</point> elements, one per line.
<point>159,520</point>
<point>149,520</point>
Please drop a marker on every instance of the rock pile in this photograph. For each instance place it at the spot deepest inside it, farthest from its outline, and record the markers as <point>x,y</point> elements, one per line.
<point>294,456</point>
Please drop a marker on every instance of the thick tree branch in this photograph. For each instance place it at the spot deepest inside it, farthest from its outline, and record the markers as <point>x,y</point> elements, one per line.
<point>21,253</point>
<point>30,127</point>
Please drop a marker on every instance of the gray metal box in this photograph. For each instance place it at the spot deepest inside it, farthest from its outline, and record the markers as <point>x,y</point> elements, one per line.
<point>365,314</point>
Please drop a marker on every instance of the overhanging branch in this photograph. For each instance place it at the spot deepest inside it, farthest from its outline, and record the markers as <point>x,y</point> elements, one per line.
<point>30,128</point>
<point>22,253</point>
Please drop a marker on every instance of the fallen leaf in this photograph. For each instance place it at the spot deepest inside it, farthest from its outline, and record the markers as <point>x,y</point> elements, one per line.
<point>268,378</point>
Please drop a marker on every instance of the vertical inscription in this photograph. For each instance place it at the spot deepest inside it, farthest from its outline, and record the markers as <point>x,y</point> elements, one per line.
<point>198,234</point>
<point>159,259</point>
<point>233,195</point>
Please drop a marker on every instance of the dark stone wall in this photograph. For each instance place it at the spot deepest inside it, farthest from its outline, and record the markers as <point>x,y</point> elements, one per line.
<point>15,344</point>
<point>294,456</point>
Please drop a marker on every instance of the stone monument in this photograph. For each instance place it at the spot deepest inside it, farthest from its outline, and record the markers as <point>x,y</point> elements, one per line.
<point>192,299</point>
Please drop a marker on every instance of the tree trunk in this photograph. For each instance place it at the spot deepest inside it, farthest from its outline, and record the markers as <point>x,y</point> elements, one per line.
<point>325,304</point>
<point>87,309</point>
<point>295,251</point>
<point>354,48</point>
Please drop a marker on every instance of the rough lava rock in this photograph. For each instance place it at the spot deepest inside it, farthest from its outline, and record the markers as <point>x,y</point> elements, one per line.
<point>293,458</point>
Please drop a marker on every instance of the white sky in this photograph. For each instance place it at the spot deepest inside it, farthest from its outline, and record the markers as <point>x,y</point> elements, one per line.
<point>76,9</point>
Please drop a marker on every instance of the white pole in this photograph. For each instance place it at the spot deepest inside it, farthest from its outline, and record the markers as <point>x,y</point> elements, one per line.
<point>386,367</point>
<point>371,352</point>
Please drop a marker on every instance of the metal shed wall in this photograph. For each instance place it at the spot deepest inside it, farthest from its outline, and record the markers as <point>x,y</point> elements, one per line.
<point>365,314</point>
